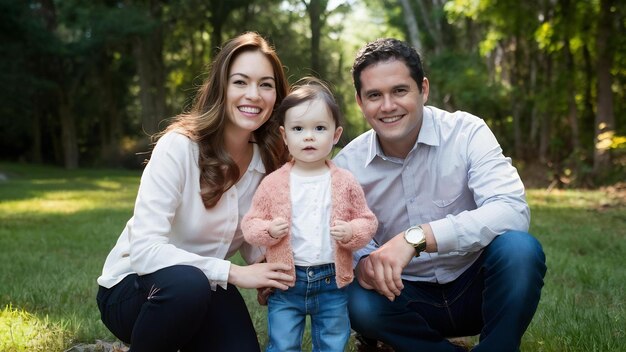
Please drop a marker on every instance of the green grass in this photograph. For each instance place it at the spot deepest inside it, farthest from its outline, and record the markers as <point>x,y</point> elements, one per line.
<point>57,226</point>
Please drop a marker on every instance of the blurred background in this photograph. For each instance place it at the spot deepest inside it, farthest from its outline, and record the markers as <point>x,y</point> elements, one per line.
<point>85,83</point>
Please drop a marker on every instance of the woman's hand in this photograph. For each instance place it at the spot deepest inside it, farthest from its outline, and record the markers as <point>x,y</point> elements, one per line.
<point>260,275</point>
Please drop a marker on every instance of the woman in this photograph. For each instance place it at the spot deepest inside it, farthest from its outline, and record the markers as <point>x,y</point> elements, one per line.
<point>167,285</point>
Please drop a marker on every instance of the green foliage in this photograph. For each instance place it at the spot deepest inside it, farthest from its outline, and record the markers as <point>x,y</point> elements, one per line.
<point>503,60</point>
<point>57,226</point>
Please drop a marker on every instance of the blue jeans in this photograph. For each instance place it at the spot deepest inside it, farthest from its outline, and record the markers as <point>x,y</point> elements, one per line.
<point>316,294</point>
<point>496,297</point>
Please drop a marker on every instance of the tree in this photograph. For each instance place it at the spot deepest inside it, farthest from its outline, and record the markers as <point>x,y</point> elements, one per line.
<point>148,51</point>
<point>605,120</point>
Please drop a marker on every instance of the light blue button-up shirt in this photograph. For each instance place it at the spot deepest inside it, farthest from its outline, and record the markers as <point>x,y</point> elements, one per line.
<point>455,178</point>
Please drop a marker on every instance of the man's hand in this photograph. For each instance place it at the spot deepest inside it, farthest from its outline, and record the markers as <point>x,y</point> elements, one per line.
<point>382,269</point>
<point>341,231</point>
<point>279,228</point>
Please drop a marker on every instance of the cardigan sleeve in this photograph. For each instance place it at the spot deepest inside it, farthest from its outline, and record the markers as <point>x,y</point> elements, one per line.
<point>255,224</point>
<point>362,220</point>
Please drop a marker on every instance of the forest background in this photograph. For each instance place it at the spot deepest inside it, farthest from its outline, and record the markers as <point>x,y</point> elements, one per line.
<point>85,83</point>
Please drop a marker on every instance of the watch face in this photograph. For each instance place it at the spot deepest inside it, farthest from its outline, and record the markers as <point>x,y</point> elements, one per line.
<point>414,235</point>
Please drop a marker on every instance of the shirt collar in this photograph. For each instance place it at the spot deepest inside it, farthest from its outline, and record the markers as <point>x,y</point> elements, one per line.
<point>428,135</point>
<point>257,162</point>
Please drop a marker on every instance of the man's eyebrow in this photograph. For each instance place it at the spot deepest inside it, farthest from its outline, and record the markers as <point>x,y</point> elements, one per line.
<point>370,91</point>
<point>403,86</point>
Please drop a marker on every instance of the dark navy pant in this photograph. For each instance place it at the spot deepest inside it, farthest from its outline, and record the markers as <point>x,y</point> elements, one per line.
<point>496,298</point>
<point>174,309</point>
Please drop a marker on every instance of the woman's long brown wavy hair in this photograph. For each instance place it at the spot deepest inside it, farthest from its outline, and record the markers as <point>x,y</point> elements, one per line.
<point>204,123</point>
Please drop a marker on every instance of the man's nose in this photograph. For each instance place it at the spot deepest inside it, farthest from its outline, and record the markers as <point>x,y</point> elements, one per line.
<point>389,103</point>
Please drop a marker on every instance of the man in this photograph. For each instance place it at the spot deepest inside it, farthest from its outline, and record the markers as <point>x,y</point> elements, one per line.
<point>452,256</point>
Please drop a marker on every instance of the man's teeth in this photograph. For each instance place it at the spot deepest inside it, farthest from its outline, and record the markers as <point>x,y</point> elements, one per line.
<point>391,119</point>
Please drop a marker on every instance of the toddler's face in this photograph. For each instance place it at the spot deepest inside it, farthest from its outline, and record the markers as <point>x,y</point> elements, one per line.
<point>310,131</point>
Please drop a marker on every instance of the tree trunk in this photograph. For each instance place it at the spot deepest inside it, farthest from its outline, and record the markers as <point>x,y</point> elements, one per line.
<point>68,132</point>
<point>411,23</point>
<point>36,146</point>
<point>316,9</point>
<point>546,116</point>
<point>432,25</point>
<point>149,54</point>
<point>217,21</point>
<point>572,110</point>
<point>110,124</point>
<point>605,121</point>
<point>517,108</point>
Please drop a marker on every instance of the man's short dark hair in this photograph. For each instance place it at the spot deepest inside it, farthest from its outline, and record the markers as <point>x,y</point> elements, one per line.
<point>385,49</point>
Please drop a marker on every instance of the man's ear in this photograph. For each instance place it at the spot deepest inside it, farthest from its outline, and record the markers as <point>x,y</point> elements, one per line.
<point>425,90</point>
<point>357,97</point>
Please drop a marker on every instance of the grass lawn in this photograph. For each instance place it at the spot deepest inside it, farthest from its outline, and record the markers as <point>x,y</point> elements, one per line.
<point>57,226</point>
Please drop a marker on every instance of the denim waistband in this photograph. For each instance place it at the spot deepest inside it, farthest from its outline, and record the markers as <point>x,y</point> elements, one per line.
<point>315,272</point>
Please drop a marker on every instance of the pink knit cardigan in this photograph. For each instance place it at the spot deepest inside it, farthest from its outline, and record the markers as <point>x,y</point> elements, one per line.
<point>272,199</point>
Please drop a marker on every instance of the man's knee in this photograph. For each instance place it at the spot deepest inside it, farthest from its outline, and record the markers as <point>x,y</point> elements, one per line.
<point>518,259</point>
<point>363,308</point>
<point>516,247</point>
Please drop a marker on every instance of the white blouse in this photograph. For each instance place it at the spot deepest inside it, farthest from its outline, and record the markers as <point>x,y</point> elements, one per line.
<point>171,226</point>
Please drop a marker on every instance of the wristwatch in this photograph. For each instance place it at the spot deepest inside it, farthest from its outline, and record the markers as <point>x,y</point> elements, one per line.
<point>414,236</point>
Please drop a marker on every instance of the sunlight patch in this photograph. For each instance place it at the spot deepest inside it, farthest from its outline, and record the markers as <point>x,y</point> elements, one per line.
<point>22,331</point>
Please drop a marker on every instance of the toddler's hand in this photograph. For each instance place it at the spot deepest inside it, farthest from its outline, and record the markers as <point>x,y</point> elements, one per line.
<point>278,228</point>
<point>341,231</point>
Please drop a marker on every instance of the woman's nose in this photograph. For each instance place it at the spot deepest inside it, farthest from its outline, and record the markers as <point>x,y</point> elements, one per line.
<point>252,92</point>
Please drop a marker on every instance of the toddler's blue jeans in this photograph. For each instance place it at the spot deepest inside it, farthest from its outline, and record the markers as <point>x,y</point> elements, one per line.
<point>315,293</point>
